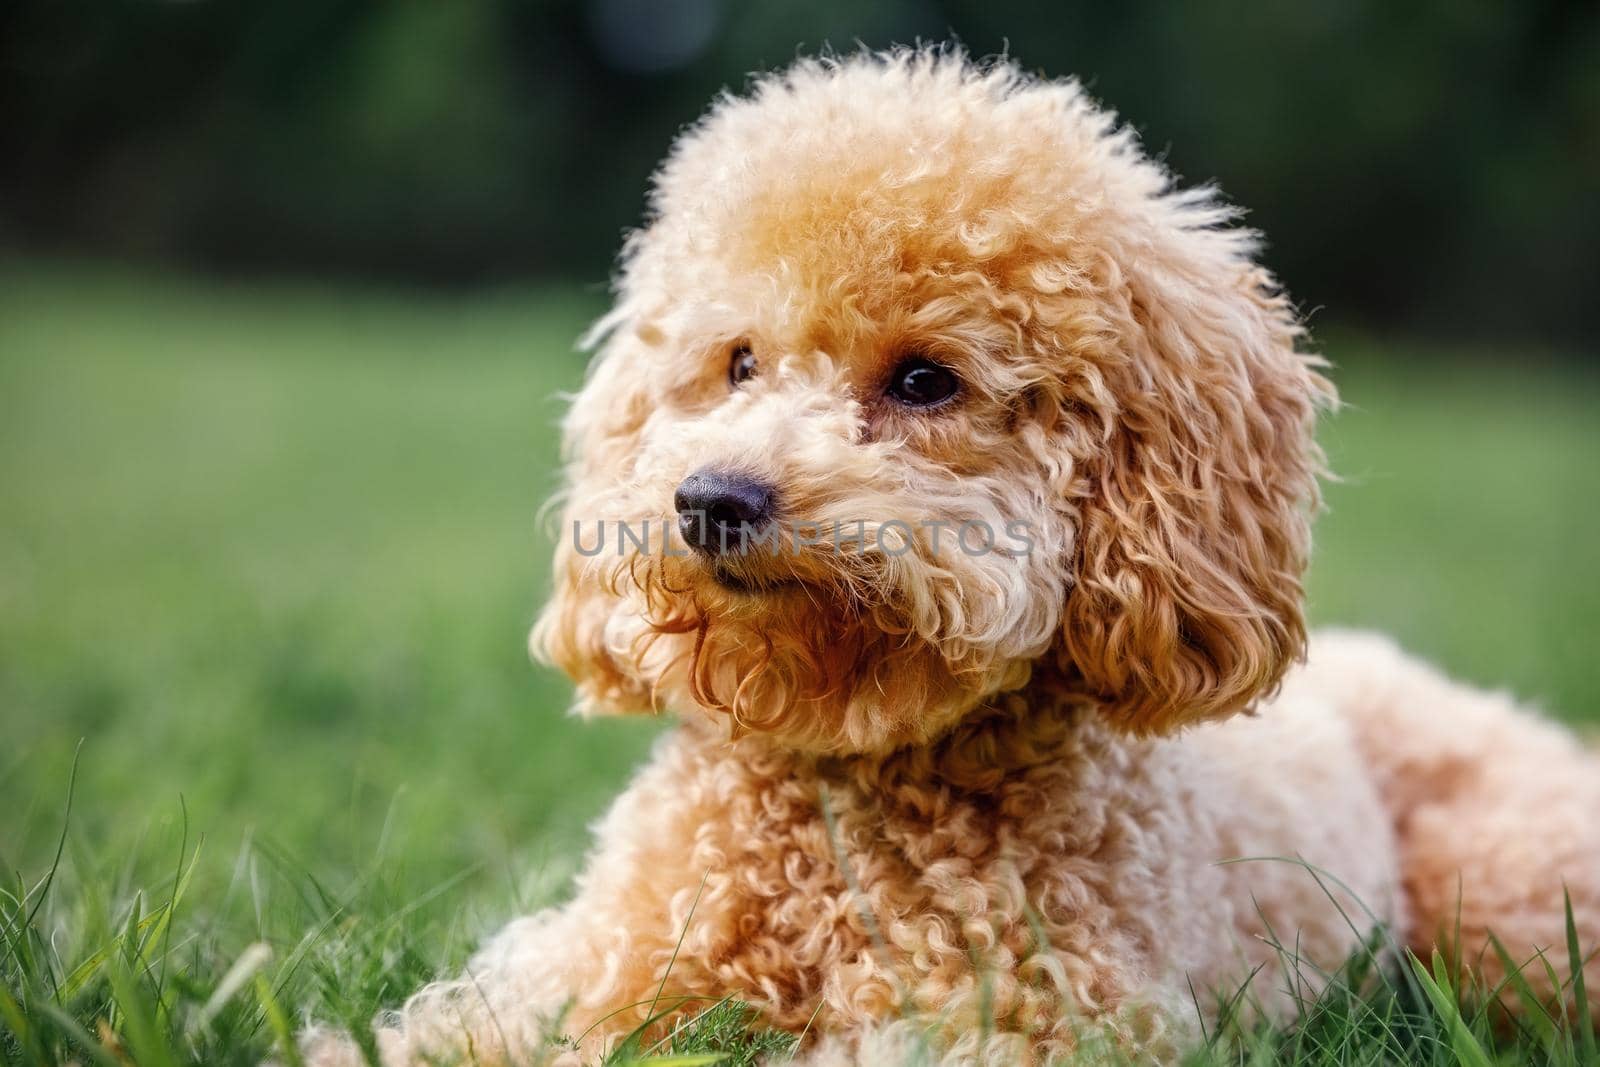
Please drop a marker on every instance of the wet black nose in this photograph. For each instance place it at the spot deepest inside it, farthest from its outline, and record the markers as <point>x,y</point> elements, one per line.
<point>718,510</point>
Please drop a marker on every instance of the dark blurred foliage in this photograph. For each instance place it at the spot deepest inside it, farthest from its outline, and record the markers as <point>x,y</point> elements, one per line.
<point>1428,165</point>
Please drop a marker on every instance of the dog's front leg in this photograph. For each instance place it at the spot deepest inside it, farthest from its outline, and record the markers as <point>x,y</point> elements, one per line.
<point>519,1001</point>
<point>559,987</point>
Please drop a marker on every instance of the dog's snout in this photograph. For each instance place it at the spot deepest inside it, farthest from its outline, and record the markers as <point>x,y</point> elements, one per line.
<point>718,509</point>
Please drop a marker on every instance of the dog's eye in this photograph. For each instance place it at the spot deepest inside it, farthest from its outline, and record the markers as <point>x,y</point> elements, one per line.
<point>741,364</point>
<point>920,383</point>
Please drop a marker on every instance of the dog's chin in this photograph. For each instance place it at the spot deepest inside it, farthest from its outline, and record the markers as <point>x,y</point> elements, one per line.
<point>795,648</point>
<point>745,581</point>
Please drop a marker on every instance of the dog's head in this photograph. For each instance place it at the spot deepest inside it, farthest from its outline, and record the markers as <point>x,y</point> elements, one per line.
<point>921,379</point>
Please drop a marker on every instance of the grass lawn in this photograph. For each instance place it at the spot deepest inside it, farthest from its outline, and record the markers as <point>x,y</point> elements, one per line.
<point>268,555</point>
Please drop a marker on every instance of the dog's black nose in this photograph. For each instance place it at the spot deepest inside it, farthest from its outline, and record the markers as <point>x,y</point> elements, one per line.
<point>719,510</point>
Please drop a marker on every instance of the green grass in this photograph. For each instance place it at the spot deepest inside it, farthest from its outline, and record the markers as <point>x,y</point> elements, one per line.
<point>269,553</point>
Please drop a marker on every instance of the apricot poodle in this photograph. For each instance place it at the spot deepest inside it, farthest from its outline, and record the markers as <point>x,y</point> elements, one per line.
<point>975,765</point>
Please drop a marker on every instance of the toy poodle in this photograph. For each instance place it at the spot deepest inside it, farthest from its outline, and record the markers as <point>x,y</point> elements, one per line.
<point>948,471</point>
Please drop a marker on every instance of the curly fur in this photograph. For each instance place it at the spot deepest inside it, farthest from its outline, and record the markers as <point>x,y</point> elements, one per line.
<point>952,787</point>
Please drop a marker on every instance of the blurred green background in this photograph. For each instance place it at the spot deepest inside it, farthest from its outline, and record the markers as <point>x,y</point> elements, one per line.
<point>1429,165</point>
<point>288,291</point>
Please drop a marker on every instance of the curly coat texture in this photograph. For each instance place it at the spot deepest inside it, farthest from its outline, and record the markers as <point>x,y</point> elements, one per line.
<point>988,793</point>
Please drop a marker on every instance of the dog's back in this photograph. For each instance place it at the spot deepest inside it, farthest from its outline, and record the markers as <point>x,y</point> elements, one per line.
<point>1494,809</point>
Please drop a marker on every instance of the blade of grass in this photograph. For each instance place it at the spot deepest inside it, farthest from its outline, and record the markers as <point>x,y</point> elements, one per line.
<point>1535,1014</point>
<point>1446,1006</point>
<point>180,882</point>
<point>16,1021</point>
<point>683,933</point>
<point>78,1034</point>
<point>245,968</point>
<point>141,1021</point>
<point>86,971</point>
<point>1584,1023</point>
<point>278,1021</point>
<point>43,889</point>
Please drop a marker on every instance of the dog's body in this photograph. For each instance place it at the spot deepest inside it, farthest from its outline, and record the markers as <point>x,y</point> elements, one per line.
<point>1360,794</point>
<point>992,794</point>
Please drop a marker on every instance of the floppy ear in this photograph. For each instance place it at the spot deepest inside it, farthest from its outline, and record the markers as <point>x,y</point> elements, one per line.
<point>599,437</point>
<point>571,634</point>
<point>1194,526</point>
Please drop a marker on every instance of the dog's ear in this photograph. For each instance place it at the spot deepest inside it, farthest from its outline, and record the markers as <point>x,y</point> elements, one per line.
<point>599,438</point>
<point>1194,514</point>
